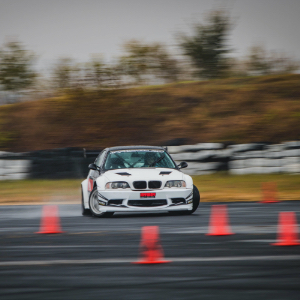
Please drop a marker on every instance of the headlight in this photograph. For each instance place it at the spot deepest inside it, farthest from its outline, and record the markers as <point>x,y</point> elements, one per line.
<point>175,183</point>
<point>117,185</point>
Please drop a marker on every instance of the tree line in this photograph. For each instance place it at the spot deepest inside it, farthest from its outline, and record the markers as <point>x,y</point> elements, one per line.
<point>203,54</point>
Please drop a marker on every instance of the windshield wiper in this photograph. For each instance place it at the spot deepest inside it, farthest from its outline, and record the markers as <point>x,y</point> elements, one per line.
<point>126,162</point>
<point>137,162</point>
<point>158,160</point>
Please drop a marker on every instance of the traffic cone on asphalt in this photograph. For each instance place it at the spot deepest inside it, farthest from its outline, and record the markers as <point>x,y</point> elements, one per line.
<point>50,220</point>
<point>218,223</point>
<point>269,192</point>
<point>151,250</point>
<point>287,230</point>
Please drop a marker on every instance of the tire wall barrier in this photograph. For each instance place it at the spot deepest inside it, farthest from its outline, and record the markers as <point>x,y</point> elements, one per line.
<point>239,159</point>
<point>202,159</point>
<point>46,164</point>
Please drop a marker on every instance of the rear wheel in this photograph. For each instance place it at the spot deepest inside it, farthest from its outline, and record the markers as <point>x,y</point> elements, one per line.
<point>95,207</point>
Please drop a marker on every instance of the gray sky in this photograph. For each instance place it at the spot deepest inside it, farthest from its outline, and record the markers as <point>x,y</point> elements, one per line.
<point>77,28</point>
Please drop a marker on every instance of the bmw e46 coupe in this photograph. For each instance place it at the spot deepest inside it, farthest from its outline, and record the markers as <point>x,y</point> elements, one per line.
<point>137,179</point>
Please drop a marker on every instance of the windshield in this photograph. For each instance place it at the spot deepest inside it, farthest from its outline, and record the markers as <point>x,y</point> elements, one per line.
<point>138,159</point>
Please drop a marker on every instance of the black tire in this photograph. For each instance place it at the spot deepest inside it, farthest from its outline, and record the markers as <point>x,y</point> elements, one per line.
<point>84,211</point>
<point>196,201</point>
<point>94,206</point>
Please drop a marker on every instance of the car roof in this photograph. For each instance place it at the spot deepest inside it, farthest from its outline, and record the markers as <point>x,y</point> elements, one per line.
<point>134,148</point>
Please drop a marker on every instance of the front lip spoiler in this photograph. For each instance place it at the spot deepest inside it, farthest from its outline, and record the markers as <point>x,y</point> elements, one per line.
<point>146,209</point>
<point>167,194</point>
<point>165,208</point>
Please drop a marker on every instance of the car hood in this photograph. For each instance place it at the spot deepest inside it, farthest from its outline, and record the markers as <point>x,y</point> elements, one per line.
<point>136,174</point>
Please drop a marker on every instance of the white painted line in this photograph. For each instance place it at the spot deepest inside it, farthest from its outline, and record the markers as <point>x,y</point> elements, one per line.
<point>22,247</point>
<point>254,241</point>
<point>128,260</point>
<point>236,258</point>
<point>236,229</point>
<point>239,229</point>
<point>64,262</point>
<point>53,246</point>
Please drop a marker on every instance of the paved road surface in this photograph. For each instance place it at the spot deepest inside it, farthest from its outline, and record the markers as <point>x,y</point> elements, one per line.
<point>92,259</point>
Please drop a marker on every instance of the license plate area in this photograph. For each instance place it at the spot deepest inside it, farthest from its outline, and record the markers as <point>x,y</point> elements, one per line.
<point>147,195</point>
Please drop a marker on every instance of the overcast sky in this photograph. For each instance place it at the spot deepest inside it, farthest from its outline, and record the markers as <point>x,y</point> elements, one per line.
<point>77,28</point>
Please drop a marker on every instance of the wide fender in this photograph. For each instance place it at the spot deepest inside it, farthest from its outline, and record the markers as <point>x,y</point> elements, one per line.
<point>85,194</point>
<point>101,181</point>
<point>189,181</point>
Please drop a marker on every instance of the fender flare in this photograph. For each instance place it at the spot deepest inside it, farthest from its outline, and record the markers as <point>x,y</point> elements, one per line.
<point>189,181</point>
<point>84,187</point>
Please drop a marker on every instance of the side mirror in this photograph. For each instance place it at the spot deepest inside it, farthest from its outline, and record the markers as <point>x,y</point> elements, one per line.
<point>93,167</point>
<point>182,165</point>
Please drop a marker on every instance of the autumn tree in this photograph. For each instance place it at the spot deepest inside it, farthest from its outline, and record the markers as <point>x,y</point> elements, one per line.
<point>143,62</point>
<point>98,74</point>
<point>16,67</point>
<point>66,74</point>
<point>259,61</point>
<point>207,46</point>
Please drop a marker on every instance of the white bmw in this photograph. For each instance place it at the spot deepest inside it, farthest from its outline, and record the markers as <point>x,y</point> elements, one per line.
<point>137,179</point>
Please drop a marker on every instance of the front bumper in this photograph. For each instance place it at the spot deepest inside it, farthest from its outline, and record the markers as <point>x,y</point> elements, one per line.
<point>128,197</point>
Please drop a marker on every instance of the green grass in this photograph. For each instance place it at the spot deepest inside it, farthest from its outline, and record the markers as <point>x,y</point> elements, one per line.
<point>40,191</point>
<point>222,187</point>
<point>213,188</point>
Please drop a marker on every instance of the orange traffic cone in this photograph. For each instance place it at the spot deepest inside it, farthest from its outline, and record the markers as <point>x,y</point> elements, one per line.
<point>151,250</point>
<point>218,223</point>
<point>269,192</point>
<point>287,230</point>
<point>50,220</point>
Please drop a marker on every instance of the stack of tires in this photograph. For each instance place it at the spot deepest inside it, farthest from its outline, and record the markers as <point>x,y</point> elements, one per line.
<point>14,166</point>
<point>266,159</point>
<point>202,158</point>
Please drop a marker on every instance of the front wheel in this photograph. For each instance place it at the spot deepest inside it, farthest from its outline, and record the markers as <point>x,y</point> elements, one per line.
<point>95,207</point>
<point>196,201</point>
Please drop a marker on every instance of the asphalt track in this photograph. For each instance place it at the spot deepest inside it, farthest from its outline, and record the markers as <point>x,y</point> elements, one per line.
<point>92,258</point>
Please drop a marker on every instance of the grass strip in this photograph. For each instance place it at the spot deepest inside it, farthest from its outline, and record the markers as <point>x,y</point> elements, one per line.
<point>230,188</point>
<point>219,187</point>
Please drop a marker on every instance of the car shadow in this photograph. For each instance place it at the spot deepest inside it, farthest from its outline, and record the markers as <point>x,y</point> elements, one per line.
<point>149,215</point>
<point>138,215</point>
